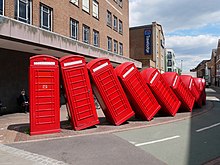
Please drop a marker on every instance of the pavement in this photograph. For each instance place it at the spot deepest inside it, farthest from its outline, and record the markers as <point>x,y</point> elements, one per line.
<point>14,129</point>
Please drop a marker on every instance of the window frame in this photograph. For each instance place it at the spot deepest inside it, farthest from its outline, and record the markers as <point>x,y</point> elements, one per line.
<point>28,11</point>
<point>50,16</point>
<point>86,8</point>
<point>76,2</point>
<point>109,44</point>
<point>87,34</point>
<point>95,36</point>
<point>115,23</point>
<point>120,48</point>
<point>120,3</point>
<point>169,63</point>
<point>3,6</point>
<point>76,27</point>
<point>120,26</point>
<point>95,15</point>
<point>115,46</point>
<point>109,18</point>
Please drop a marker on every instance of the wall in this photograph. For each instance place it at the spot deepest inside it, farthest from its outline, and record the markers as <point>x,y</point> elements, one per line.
<point>64,10</point>
<point>137,45</point>
<point>13,77</point>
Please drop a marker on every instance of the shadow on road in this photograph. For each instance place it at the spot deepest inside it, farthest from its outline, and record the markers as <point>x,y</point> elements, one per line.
<point>204,132</point>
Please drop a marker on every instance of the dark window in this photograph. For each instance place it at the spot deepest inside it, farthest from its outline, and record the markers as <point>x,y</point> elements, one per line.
<point>86,35</point>
<point>74,25</point>
<point>169,55</point>
<point>109,18</point>
<point>46,17</point>
<point>169,63</point>
<point>109,44</point>
<point>1,7</point>
<point>23,10</point>
<point>169,70</point>
<point>115,23</point>
<point>120,48</point>
<point>95,38</point>
<point>115,46</point>
<point>120,27</point>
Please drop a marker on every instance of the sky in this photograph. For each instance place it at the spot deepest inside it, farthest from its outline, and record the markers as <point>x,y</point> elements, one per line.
<point>191,27</point>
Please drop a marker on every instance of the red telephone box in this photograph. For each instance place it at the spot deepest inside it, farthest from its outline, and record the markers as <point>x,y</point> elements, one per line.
<point>161,90</point>
<point>140,96</point>
<point>81,106</point>
<point>44,95</point>
<point>191,85</point>
<point>109,92</point>
<point>200,82</point>
<point>181,91</point>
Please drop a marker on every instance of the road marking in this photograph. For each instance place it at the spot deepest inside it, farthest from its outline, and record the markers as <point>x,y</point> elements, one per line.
<point>212,98</point>
<point>209,127</point>
<point>132,142</point>
<point>157,141</point>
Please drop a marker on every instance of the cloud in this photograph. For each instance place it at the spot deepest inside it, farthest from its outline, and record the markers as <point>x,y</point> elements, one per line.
<point>191,28</point>
<point>174,15</point>
<point>192,49</point>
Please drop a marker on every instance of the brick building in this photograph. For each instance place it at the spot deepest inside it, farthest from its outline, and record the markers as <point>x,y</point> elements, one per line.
<point>147,45</point>
<point>217,64</point>
<point>91,28</point>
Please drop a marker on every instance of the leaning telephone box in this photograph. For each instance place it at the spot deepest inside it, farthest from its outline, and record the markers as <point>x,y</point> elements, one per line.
<point>181,91</point>
<point>81,106</point>
<point>161,90</point>
<point>200,82</point>
<point>140,96</point>
<point>44,95</point>
<point>109,92</point>
<point>191,85</point>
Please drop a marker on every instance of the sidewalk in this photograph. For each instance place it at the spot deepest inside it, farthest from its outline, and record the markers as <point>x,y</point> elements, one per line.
<point>15,127</point>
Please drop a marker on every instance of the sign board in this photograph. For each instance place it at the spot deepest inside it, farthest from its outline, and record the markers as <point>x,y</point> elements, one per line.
<point>147,41</point>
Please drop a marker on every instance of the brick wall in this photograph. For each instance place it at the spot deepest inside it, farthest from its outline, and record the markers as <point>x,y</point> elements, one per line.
<point>63,10</point>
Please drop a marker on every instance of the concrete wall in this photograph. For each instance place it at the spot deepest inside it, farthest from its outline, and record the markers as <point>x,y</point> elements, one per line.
<point>13,77</point>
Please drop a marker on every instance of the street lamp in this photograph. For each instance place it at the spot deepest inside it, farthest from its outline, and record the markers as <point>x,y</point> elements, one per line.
<point>181,65</point>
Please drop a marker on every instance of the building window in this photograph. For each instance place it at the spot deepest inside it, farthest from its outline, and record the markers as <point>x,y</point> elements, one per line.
<point>120,3</point>
<point>85,5</point>
<point>120,48</point>
<point>169,55</point>
<point>46,17</point>
<point>74,26</point>
<point>1,7</point>
<point>115,46</point>
<point>75,2</point>
<point>169,70</point>
<point>120,27</point>
<point>95,9</point>
<point>23,10</point>
<point>95,38</point>
<point>109,18</point>
<point>115,23</point>
<point>169,63</point>
<point>86,35</point>
<point>109,44</point>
